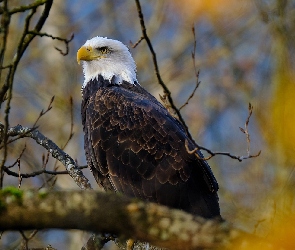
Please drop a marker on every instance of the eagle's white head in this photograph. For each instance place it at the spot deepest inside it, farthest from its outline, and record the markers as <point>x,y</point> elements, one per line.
<point>108,58</point>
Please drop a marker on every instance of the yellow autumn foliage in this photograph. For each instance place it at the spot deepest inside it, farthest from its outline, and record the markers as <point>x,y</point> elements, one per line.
<point>213,8</point>
<point>283,113</point>
<point>280,235</point>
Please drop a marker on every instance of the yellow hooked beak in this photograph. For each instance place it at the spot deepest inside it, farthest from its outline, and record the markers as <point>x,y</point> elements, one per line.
<point>87,53</point>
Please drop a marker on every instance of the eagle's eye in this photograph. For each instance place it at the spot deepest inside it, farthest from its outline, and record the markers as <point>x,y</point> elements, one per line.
<point>104,50</point>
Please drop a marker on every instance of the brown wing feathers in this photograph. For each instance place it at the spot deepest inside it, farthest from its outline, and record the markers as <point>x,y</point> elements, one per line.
<point>140,148</point>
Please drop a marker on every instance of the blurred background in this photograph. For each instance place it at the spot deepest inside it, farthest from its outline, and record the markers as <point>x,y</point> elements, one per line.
<point>245,54</point>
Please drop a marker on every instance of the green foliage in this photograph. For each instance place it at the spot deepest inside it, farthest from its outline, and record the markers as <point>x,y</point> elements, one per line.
<point>10,193</point>
<point>43,193</point>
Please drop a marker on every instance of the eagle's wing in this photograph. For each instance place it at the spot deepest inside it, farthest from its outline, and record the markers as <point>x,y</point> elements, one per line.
<point>136,147</point>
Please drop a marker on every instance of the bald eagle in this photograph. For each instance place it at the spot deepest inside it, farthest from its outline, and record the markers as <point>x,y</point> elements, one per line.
<point>132,143</point>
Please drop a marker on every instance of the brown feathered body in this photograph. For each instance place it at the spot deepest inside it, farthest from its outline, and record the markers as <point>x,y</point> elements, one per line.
<point>135,147</point>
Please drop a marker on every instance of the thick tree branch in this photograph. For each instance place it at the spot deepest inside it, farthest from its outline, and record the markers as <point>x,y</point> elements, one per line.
<point>109,212</point>
<point>5,21</point>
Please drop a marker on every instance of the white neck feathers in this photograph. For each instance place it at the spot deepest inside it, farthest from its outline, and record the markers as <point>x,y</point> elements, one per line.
<point>108,69</point>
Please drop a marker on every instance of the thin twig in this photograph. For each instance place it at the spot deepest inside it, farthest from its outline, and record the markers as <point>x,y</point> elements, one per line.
<point>42,113</point>
<point>66,41</point>
<point>71,129</point>
<point>36,173</point>
<point>32,234</point>
<point>6,67</point>
<point>245,130</point>
<point>211,153</point>
<point>20,178</point>
<point>193,92</point>
<point>26,7</point>
<point>18,158</point>
<point>197,72</point>
<point>45,160</point>
<point>138,42</point>
<point>72,123</point>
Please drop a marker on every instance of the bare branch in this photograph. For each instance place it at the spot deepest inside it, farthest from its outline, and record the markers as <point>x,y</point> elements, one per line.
<point>193,92</point>
<point>45,160</point>
<point>167,105</point>
<point>160,81</point>
<point>18,137</point>
<point>72,123</point>
<point>138,42</point>
<point>42,113</point>
<point>25,240</point>
<point>26,7</point>
<point>49,107</point>
<point>66,41</point>
<point>36,173</point>
<point>20,178</point>
<point>167,95</point>
<point>6,67</point>
<point>245,130</point>
<point>23,43</point>
<point>236,157</point>
<point>56,152</point>
<point>197,72</point>
<point>18,158</point>
<point>5,20</point>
